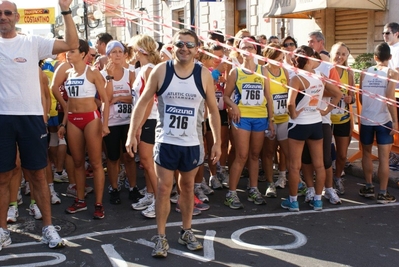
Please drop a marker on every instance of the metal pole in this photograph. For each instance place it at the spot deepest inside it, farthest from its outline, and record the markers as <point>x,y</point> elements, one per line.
<point>85,20</point>
<point>192,16</point>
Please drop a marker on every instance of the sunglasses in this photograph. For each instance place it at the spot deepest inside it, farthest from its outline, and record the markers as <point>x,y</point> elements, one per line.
<point>288,44</point>
<point>181,44</point>
<point>7,13</point>
<point>386,33</point>
<point>93,55</point>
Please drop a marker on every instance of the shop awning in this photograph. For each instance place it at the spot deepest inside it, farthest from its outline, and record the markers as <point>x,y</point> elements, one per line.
<point>304,8</point>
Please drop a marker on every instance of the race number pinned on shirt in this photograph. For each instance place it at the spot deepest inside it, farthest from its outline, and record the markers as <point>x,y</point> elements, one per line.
<point>179,119</point>
<point>123,110</point>
<point>72,87</point>
<point>280,103</point>
<point>219,99</point>
<point>252,94</point>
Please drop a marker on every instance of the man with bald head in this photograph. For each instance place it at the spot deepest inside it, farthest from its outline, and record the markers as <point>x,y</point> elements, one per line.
<point>21,112</point>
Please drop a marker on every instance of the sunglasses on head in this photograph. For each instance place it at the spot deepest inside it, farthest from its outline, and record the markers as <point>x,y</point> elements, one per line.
<point>181,44</point>
<point>288,44</point>
<point>7,13</point>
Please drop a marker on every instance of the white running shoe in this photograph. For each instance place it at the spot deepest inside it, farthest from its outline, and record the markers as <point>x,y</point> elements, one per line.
<point>27,189</point>
<point>35,211</point>
<point>54,195</point>
<point>51,237</point>
<point>61,178</point>
<point>12,214</point>
<point>150,211</point>
<point>144,202</point>
<point>331,195</point>
<point>5,239</point>
<point>271,191</point>
<point>310,193</point>
<point>281,181</point>
<point>19,197</point>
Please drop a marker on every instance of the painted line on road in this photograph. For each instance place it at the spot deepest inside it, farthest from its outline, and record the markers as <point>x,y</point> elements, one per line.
<point>300,239</point>
<point>114,257</point>
<point>214,220</point>
<point>58,258</point>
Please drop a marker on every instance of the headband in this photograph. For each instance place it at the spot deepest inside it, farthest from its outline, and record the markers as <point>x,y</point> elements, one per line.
<point>113,44</point>
<point>247,40</point>
<point>166,52</point>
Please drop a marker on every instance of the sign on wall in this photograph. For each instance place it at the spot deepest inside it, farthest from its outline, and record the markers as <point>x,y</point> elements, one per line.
<point>37,15</point>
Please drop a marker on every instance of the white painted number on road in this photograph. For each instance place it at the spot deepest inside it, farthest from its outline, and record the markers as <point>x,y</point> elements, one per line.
<point>58,258</point>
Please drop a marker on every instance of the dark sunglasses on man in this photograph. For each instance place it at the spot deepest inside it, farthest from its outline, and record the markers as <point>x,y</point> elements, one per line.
<point>181,44</point>
<point>7,13</point>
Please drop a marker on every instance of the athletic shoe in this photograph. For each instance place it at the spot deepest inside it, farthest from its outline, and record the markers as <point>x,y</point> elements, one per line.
<point>310,193</point>
<point>198,204</point>
<point>261,176</point>
<point>35,211</point>
<point>271,190</point>
<point>71,191</point>
<point>174,198</point>
<point>114,197</point>
<point>51,237</point>
<point>302,188</point>
<point>134,194</point>
<point>332,196</point>
<point>144,202</point>
<point>19,197</point>
<point>76,207</point>
<point>150,211</point>
<point>5,239</point>
<point>339,185</point>
<point>214,182</point>
<point>54,195</point>
<point>27,189</point>
<point>188,239</point>
<point>195,210</point>
<point>316,204</point>
<point>384,199</point>
<point>367,192</point>
<point>224,178</point>
<point>199,193</point>
<point>143,191</point>
<point>256,197</point>
<point>205,188</point>
<point>281,181</point>
<point>161,246</point>
<point>12,214</point>
<point>98,211</point>
<point>291,206</point>
<point>232,201</point>
<point>61,178</point>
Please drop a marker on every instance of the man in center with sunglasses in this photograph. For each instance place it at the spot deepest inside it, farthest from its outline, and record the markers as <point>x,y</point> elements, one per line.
<point>182,87</point>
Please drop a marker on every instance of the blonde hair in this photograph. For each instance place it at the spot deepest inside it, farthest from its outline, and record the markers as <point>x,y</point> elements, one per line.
<point>237,39</point>
<point>334,49</point>
<point>148,45</point>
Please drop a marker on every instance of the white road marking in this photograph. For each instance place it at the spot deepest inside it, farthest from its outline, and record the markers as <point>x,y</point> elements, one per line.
<point>114,257</point>
<point>59,258</point>
<point>209,251</point>
<point>214,220</point>
<point>300,239</point>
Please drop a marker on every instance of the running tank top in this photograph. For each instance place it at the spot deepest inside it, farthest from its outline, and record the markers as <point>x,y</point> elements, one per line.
<point>120,113</point>
<point>325,68</point>
<point>375,109</point>
<point>80,87</point>
<point>138,87</point>
<point>48,68</point>
<point>249,94</point>
<point>180,102</point>
<point>309,102</point>
<point>341,115</point>
<point>279,95</point>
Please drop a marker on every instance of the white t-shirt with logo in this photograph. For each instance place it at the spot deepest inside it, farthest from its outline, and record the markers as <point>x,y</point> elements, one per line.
<point>20,92</point>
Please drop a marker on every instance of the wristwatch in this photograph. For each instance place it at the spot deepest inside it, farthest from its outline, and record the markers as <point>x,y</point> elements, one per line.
<point>108,78</point>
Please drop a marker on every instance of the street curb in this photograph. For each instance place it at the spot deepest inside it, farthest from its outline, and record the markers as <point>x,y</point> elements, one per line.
<point>356,169</point>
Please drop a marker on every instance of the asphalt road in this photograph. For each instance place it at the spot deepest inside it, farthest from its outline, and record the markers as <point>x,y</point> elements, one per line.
<point>358,232</point>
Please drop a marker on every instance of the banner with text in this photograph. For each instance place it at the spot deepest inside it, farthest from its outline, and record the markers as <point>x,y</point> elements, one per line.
<point>37,15</point>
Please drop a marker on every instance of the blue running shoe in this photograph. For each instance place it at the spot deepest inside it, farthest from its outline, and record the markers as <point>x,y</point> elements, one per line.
<point>316,204</point>
<point>291,206</point>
